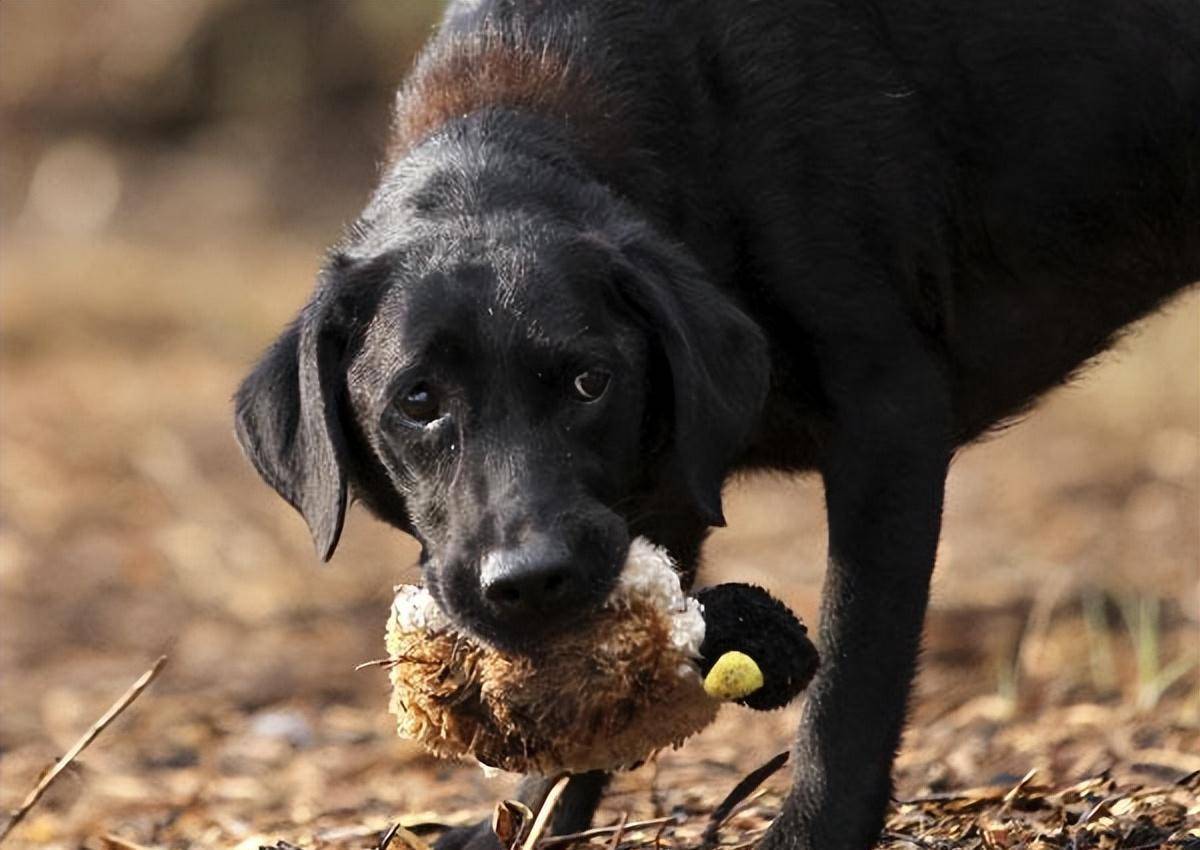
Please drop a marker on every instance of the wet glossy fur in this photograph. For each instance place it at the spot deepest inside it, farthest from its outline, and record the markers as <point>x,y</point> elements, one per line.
<point>836,236</point>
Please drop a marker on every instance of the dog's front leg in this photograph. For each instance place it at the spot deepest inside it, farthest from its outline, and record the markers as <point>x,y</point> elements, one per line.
<point>573,813</point>
<point>884,468</point>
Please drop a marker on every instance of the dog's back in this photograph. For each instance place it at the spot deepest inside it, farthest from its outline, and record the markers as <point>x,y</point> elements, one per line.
<point>1073,129</point>
<point>1027,173</point>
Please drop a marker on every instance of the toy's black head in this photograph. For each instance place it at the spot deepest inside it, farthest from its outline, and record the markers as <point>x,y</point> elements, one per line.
<point>745,618</point>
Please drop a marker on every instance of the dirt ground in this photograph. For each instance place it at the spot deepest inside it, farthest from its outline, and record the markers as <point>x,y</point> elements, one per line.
<point>1064,634</point>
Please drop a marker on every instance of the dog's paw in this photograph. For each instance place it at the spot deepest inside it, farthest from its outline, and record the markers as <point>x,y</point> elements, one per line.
<point>478,836</point>
<point>785,834</point>
<point>829,830</point>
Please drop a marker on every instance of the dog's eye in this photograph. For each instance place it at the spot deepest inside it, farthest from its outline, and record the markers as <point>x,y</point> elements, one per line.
<point>420,404</point>
<point>590,385</point>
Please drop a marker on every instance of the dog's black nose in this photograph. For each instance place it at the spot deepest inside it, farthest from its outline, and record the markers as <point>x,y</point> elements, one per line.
<point>535,580</point>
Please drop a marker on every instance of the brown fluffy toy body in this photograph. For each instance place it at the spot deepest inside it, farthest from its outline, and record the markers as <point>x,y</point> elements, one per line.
<point>631,681</point>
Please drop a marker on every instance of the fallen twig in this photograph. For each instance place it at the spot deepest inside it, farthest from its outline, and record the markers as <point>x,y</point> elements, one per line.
<point>616,837</point>
<point>135,690</point>
<point>386,839</point>
<point>739,793</point>
<point>116,842</point>
<point>510,820</point>
<point>1016,790</point>
<point>410,839</point>
<point>597,831</point>
<point>545,812</point>
<point>909,839</point>
<point>659,835</point>
<point>375,662</point>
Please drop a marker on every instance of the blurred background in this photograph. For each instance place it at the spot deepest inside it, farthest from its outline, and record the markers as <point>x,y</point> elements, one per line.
<point>170,174</point>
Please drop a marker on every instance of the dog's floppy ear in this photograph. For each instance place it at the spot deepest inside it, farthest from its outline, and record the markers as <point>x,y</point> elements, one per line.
<point>718,362</point>
<point>288,418</point>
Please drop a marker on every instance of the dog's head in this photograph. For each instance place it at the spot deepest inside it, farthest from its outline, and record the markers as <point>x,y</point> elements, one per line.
<point>519,386</point>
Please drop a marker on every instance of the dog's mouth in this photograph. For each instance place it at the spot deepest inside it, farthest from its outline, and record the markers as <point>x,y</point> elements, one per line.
<point>642,571</point>
<point>458,599</point>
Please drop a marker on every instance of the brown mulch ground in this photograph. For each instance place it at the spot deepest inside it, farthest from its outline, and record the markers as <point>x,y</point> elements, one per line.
<point>274,780</point>
<point>1095,813</point>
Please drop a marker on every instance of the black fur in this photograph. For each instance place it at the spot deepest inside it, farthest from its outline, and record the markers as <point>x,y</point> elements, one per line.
<point>831,235</point>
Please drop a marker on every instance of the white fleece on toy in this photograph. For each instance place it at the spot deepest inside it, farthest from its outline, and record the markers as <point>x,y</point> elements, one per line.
<point>649,574</point>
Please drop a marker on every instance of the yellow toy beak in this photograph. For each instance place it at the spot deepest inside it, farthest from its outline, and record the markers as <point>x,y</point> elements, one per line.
<point>734,676</point>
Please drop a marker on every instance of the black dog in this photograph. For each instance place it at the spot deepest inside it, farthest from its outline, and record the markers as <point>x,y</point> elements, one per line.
<point>624,247</point>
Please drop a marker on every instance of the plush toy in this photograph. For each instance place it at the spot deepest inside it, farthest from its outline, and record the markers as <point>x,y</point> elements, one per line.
<point>647,671</point>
